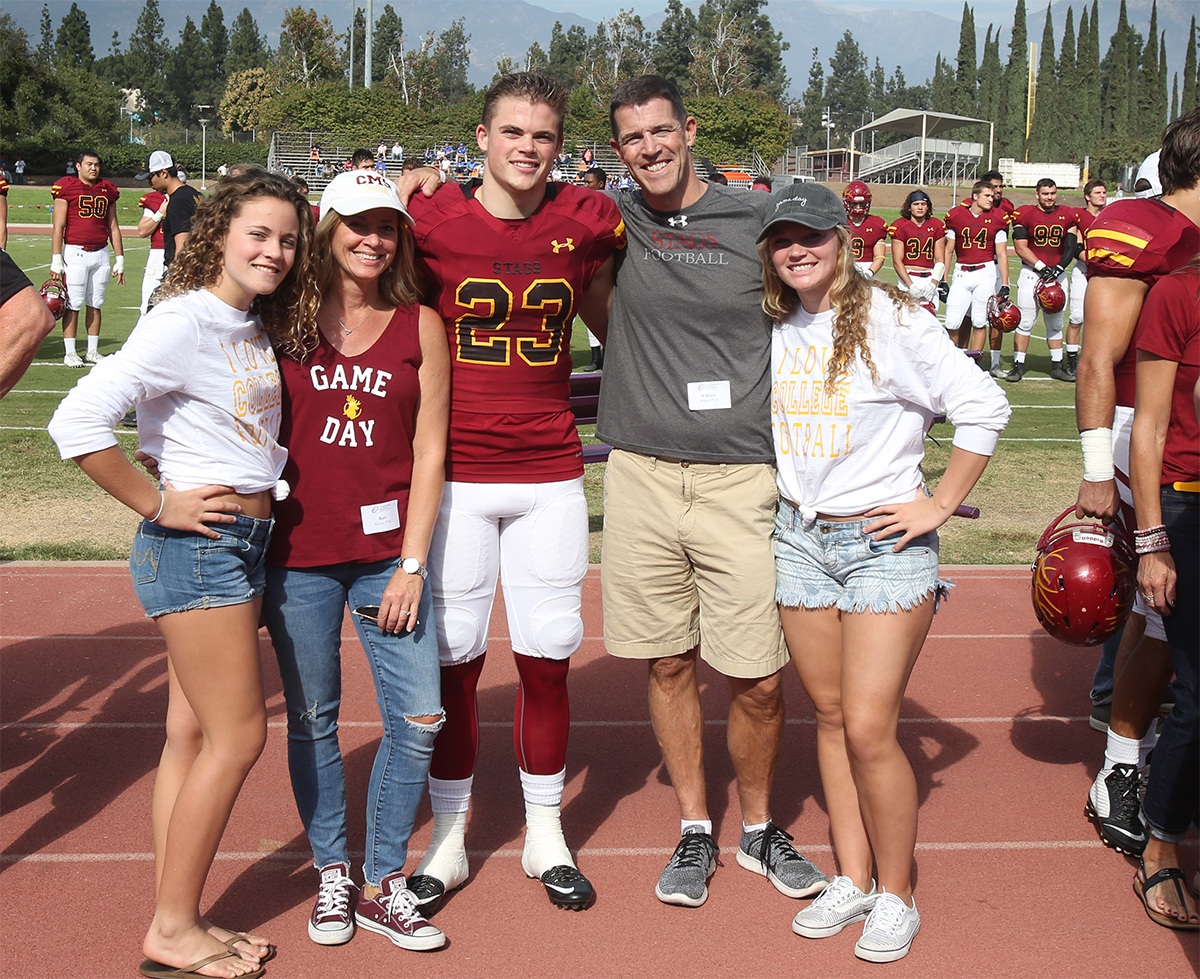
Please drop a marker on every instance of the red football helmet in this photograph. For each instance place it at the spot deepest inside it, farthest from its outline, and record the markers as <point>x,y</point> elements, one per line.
<point>1084,578</point>
<point>1002,314</point>
<point>54,295</point>
<point>1050,296</point>
<point>857,198</point>
<point>930,307</point>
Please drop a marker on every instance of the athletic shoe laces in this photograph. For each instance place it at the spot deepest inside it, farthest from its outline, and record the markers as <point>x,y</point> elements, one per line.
<point>774,847</point>
<point>333,897</point>
<point>563,876</point>
<point>401,905</point>
<point>1123,793</point>
<point>887,915</point>
<point>838,890</point>
<point>694,850</point>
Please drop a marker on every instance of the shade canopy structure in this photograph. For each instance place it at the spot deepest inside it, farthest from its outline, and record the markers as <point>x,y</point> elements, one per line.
<point>923,123</point>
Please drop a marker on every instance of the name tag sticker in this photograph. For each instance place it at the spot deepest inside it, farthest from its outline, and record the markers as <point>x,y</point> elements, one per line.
<point>708,395</point>
<point>378,518</point>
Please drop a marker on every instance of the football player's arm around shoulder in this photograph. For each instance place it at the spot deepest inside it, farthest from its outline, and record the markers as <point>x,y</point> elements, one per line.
<point>596,302</point>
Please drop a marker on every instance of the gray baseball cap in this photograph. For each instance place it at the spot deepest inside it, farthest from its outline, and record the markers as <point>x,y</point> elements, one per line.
<point>812,205</point>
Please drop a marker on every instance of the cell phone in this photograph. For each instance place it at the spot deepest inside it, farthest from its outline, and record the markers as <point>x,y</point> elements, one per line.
<point>367,612</point>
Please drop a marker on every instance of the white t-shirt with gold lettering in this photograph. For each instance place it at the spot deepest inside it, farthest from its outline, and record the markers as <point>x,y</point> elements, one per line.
<point>845,447</point>
<point>205,382</point>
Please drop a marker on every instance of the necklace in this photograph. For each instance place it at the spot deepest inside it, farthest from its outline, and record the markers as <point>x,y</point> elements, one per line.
<point>348,330</point>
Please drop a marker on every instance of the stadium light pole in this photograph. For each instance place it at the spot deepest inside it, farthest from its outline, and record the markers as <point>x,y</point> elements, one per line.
<point>203,145</point>
<point>827,123</point>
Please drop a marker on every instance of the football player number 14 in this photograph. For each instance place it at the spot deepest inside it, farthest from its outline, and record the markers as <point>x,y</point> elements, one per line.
<point>492,305</point>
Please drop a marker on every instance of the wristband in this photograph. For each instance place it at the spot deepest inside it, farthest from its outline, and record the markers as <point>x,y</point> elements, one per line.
<point>1097,455</point>
<point>1039,265</point>
<point>119,265</point>
<point>161,503</point>
<point>939,270</point>
<point>56,264</point>
<point>159,215</point>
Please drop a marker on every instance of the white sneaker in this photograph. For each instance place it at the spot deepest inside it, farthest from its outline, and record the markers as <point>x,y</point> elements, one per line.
<point>838,905</point>
<point>93,356</point>
<point>890,929</point>
<point>72,359</point>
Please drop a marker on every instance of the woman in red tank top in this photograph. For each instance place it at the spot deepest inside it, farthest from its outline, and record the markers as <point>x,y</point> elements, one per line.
<point>365,419</point>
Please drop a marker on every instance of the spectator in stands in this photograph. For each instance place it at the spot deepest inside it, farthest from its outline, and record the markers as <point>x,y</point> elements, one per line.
<point>381,164</point>
<point>223,169</point>
<point>314,159</point>
<point>397,152</point>
<point>381,152</point>
<point>19,170</point>
<point>761,182</point>
<point>717,177</point>
<point>595,178</point>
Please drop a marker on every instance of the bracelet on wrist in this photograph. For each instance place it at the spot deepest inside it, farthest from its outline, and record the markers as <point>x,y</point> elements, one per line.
<point>1151,540</point>
<point>162,502</point>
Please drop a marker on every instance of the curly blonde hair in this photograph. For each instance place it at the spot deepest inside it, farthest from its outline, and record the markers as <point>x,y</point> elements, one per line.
<point>399,284</point>
<point>289,314</point>
<point>851,298</point>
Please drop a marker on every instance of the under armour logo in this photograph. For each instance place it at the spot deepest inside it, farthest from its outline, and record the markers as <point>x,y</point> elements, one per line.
<point>558,246</point>
<point>679,221</point>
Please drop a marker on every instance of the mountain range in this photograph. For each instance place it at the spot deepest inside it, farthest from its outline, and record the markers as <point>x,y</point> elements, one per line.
<point>903,36</point>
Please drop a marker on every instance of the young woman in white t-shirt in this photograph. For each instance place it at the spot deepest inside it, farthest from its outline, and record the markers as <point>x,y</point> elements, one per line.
<point>859,372</point>
<point>201,370</point>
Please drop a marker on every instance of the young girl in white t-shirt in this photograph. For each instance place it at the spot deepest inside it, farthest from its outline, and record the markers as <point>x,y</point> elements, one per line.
<point>201,370</point>
<point>860,372</point>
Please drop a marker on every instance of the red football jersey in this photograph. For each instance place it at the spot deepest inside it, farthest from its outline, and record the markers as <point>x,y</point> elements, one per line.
<point>87,209</point>
<point>1138,238</point>
<point>508,291</point>
<point>1083,220</point>
<point>975,237</point>
<point>1047,230</point>
<point>152,201</point>
<point>3,187</point>
<point>918,240</point>
<point>863,237</point>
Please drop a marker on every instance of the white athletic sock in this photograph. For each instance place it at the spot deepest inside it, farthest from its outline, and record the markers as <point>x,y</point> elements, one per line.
<point>1056,355</point>
<point>93,343</point>
<point>995,358</point>
<point>1072,348</point>
<point>543,790</point>
<point>446,858</point>
<point>545,846</point>
<point>68,345</point>
<point>1018,357</point>
<point>1146,745</point>
<point>1120,751</point>
<point>755,827</point>
<point>705,824</point>
<point>450,794</point>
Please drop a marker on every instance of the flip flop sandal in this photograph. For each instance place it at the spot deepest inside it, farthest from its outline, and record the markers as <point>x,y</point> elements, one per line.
<point>156,970</point>
<point>239,938</point>
<point>1143,885</point>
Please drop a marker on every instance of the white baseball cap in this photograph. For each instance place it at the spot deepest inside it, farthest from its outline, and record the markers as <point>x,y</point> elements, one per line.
<point>1149,172</point>
<point>361,190</point>
<point>159,160</point>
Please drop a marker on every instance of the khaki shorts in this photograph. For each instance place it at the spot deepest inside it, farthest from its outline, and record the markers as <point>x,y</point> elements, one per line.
<point>688,552</point>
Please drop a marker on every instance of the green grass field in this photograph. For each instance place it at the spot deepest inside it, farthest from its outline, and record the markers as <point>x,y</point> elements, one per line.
<point>52,512</point>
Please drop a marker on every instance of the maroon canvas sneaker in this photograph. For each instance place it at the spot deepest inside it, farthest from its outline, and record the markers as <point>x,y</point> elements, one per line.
<point>331,921</point>
<point>393,913</point>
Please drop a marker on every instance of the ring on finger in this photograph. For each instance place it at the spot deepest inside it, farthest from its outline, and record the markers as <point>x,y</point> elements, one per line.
<point>402,612</point>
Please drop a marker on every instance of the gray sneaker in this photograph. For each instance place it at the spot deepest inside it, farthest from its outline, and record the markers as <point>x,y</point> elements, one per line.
<point>769,852</point>
<point>890,929</point>
<point>998,372</point>
<point>840,904</point>
<point>685,879</point>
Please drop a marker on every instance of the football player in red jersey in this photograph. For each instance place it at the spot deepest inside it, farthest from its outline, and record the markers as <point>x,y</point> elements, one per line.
<point>979,234</point>
<point>995,180</point>
<point>513,259</point>
<point>1044,236</point>
<point>868,232</point>
<point>1095,196</point>
<point>919,248</point>
<point>1131,244</point>
<point>85,220</point>
<point>154,206</point>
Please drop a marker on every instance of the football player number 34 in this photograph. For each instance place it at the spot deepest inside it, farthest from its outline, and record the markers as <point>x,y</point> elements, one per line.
<point>492,305</point>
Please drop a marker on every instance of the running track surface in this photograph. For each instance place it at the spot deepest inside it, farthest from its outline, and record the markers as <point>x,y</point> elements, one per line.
<point>1011,879</point>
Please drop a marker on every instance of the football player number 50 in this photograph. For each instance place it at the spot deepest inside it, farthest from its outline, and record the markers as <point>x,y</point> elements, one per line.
<point>492,305</point>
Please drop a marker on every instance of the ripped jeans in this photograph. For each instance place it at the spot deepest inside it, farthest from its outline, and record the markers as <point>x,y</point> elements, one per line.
<point>304,609</point>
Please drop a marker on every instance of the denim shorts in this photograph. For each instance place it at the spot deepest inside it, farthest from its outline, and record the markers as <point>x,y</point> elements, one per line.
<point>835,563</point>
<point>178,570</point>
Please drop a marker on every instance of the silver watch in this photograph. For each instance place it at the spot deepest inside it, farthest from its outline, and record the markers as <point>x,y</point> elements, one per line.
<point>410,565</point>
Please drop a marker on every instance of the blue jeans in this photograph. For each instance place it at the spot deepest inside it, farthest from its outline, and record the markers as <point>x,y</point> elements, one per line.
<point>1172,795</point>
<point>303,608</point>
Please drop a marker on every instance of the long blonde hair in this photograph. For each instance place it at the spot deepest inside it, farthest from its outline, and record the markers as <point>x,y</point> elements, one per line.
<point>289,314</point>
<point>851,297</point>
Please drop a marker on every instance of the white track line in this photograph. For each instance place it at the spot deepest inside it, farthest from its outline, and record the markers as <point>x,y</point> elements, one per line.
<point>511,853</point>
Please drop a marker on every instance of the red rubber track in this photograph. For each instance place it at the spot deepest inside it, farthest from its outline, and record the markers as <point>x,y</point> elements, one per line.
<point>1011,879</point>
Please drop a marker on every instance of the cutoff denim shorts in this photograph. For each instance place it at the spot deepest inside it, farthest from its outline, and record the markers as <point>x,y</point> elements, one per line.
<point>834,562</point>
<point>177,570</point>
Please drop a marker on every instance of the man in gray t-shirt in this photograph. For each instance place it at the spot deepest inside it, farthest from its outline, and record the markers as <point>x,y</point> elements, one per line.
<point>690,491</point>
